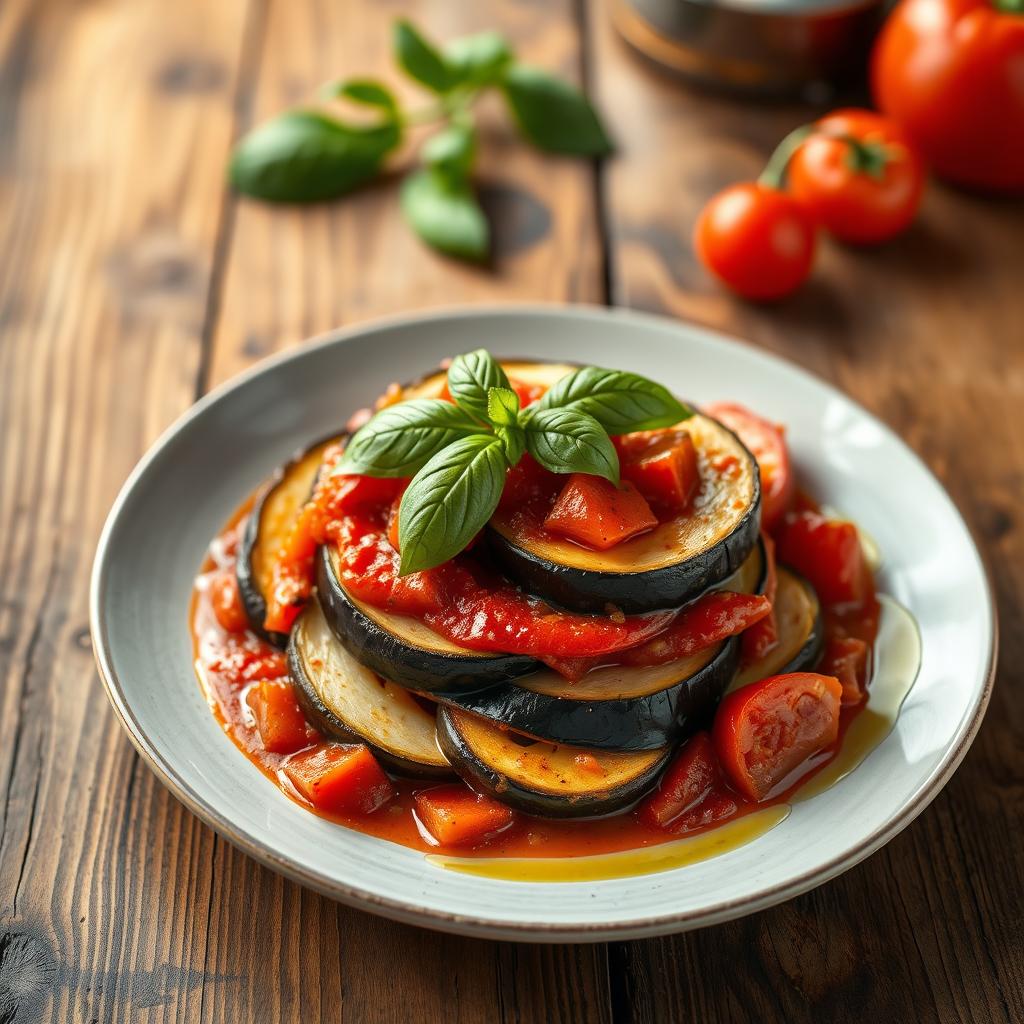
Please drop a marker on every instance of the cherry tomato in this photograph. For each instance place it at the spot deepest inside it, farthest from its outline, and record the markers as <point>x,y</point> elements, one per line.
<point>756,239</point>
<point>949,71</point>
<point>858,176</point>
<point>767,443</point>
<point>765,731</point>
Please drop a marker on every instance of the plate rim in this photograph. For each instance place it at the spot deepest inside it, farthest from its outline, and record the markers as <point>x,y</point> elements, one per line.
<point>477,925</point>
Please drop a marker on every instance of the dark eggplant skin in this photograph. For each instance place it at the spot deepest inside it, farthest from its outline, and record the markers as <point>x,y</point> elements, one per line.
<point>401,662</point>
<point>586,590</point>
<point>486,778</point>
<point>628,724</point>
<point>253,600</point>
<point>325,721</point>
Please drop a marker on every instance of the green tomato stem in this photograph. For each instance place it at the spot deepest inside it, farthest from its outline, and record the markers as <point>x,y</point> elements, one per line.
<point>774,173</point>
<point>863,157</point>
<point>1009,6</point>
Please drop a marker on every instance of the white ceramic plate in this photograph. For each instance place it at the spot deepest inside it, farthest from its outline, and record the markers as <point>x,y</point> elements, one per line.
<point>188,484</point>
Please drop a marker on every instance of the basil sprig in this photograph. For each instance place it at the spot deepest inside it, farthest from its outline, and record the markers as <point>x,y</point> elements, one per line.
<point>459,452</point>
<point>306,155</point>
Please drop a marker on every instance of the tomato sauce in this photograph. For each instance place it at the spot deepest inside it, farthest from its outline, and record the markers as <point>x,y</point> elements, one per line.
<point>230,664</point>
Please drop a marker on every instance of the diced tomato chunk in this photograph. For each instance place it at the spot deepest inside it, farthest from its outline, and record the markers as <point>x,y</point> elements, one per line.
<point>846,658</point>
<point>526,480</point>
<point>456,816</point>
<point>279,719</point>
<point>340,779</point>
<point>687,781</point>
<point>594,512</point>
<point>662,464</point>
<point>761,637</point>
<point>573,669</point>
<point>354,494</point>
<point>227,602</point>
<point>765,731</point>
<point>828,553</point>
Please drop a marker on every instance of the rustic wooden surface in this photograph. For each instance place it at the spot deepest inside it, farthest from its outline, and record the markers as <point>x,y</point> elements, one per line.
<point>130,282</point>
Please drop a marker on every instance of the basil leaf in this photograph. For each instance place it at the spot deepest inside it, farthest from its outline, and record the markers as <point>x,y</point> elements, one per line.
<point>471,377</point>
<point>444,212</point>
<point>421,60</point>
<point>365,91</point>
<point>567,441</point>
<point>502,407</point>
<point>452,150</point>
<point>513,438</point>
<point>553,114</point>
<point>619,401</point>
<point>303,156</point>
<point>401,438</point>
<point>449,501</point>
<point>479,59</point>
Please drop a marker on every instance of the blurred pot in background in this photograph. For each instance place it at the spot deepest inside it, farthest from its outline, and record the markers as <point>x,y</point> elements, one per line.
<point>766,47</point>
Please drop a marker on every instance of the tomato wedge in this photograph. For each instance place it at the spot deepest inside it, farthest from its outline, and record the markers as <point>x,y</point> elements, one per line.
<point>765,731</point>
<point>767,443</point>
<point>828,553</point>
<point>594,512</point>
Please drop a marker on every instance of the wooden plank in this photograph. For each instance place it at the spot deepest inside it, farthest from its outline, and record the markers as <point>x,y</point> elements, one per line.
<point>115,120</point>
<point>926,333</point>
<point>292,273</point>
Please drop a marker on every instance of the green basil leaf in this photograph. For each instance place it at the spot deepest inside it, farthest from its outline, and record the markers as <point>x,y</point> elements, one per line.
<point>365,91</point>
<point>443,211</point>
<point>452,150</point>
<point>479,59</point>
<point>449,501</point>
<point>303,156</point>
<point>502,407</point>
<point>567,441</point>
<point>402,438</point>
<point>618,400</point>
<point>421,60</point>
<point>470,379</point>
<point>514,440</point>
<point>553,114</point>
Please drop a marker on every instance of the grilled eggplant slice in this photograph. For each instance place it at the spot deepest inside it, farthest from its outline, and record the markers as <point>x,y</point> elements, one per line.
<point>542,778</point>
<point>617,707</point>
<point>272,514</point>
<point>346,701</point>
<point>403,649</point>
<point>800,629</point>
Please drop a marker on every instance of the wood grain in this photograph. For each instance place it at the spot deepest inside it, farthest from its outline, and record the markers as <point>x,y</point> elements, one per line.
<point>927,334</point>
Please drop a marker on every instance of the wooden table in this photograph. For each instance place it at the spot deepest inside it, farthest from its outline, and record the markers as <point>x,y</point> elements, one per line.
<point>131,282</point>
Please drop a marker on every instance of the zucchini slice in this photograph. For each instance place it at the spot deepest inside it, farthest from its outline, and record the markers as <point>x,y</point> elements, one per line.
<point>346,701</point>
<point>542,778</point>
<point>272,515</point>
<point>800,629</point>
<point>617,707</point>
<point>403,649</point>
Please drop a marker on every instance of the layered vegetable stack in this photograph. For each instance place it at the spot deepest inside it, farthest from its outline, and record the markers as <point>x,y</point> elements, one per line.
<point>544,578</point>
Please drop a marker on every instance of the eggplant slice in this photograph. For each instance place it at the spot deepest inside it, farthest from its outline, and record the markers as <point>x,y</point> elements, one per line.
<point>271,517</point>
<point>800,630</point>
<point>346,701</point>
<point>542,778</point>
<point>403,649</point>
<point>617,707</point>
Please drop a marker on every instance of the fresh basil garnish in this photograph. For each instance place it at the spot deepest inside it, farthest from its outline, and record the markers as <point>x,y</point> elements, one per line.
<point>479,59</point>
<point>444,212</point>
<point>452,150</point>
<point>365,91</point>
<point>449,501</point>
<point>621,402</point>
<point>567,441</point>
<point>421,60</point>
<point>401,438</point>
<point>470,379</point>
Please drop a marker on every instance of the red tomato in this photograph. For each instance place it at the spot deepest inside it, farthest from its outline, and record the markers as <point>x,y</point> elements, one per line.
<point>858,176</point>
<point>846,658</point>
<point>756,239</point>
<point>593,511</point>
<point>828,553</point>
<point>227,602</point>
<point>764,732</point>
<point>761,637</point>
<point>456,816</point>
<point>279,719</point>
<point>949,71</point>
<point>664,470</point>
<point>339,779</point>
<point>767,443</point>
<point>687,781</point>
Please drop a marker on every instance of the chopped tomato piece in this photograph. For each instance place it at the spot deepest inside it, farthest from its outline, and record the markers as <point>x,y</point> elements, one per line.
<point>828,553</point>
<point>765,731</point>
<point>767,443</point>
<point>687,781</point>
<point>227,602</point>
<point>246,658</point>
<point>339,779</point>
<point>279,719</point>
<point>293,571</point>
<point>762,636</point>
<point>846,658</point>
<point>708,620</point>
<point>526,480</point>
<point>456,816</point>
<point>586,762</point>
<point>361,494</point>
<point>665,472</point>
<point>594,512</point>
<point>573,669</point>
